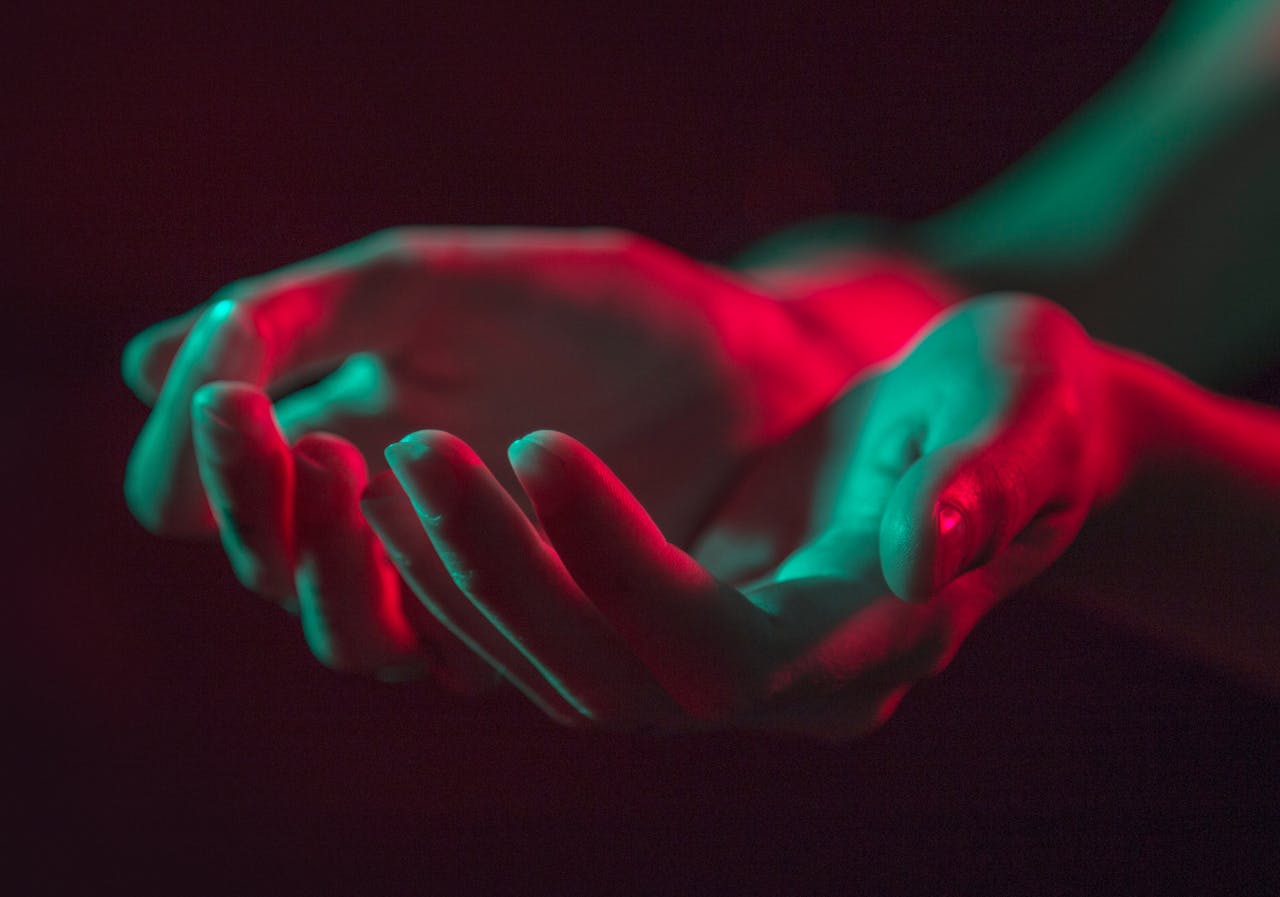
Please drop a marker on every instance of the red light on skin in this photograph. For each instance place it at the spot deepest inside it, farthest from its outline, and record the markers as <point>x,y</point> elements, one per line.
<point>951,549</point>
<point>868,303</point>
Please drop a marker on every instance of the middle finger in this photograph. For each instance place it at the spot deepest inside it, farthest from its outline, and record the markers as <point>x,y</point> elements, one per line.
<point>500,562</point>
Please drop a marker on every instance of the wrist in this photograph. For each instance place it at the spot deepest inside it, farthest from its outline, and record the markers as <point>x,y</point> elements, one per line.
<point>862,304</point>
<point>1163,424</point>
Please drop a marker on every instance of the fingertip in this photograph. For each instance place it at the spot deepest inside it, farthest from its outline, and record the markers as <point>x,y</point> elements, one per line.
<point>541,469</point>
<point>231,420</point>
<point>421,445</point>
<point>558,443</point>
<point>579,500</point>
<point>553,440</point>
<point>927,532</point>
<point>327,453</point>
<point>435,468</point>
<point>549,458</point>
<point>234,402</point>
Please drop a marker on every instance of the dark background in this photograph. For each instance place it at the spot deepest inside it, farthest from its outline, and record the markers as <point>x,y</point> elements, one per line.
<point>168,733</point>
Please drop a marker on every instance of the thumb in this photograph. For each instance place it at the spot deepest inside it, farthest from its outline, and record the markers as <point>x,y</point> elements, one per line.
<point>954,510</point>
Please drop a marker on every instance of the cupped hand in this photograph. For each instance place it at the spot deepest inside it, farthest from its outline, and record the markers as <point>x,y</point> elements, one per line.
<point>947,480</point>
<point>674,371</point>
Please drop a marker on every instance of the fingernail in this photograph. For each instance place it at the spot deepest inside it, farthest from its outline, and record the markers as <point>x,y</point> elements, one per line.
<point>540,469</point>
<point>427,477</point>
<point>530,455</point>
<point>952,551</point>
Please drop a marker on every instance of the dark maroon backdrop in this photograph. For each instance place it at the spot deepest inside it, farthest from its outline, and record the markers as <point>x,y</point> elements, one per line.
<point>168,733</point>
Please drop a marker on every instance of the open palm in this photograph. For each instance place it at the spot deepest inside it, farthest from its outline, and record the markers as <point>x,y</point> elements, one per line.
<point>948,480</point>
<point>673,371</point>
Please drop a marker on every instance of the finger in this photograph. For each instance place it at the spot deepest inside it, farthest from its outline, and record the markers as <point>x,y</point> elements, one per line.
<point>162,484</point>
<point>870,455</point>
<point>851,646</point>
<point>281,330</point>
<point>147,357</point>
<point>352,398</point>
<point>966,500</point>
<point>272,332</point>
<point>703,641</point>
<point>500,562</point>
<point>469,634</point>
<point>348,590</point>
<point>968,440</point>
<point>247,471</point>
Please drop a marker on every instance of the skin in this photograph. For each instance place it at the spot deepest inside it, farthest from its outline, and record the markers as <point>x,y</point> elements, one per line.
<point>1158,200</point>
<point>722,411</point>
<point>853,558</point>
<point>800,576</point>
<point>1151,215</point>
<point>812,635</point>
<point>675,372</point>
<point>946,491</point>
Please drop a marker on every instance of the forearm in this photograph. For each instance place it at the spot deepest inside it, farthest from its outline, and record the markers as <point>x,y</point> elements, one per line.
<point>1077,195</point>
<point>1186,548</point>
<point>1152,214</point>
<point>1173,427</point>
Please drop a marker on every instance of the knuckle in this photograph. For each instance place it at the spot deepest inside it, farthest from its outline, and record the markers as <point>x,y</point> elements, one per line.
<point>394,248</point>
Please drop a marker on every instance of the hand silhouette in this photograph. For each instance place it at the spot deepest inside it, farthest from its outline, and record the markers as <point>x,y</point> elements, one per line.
<point>673,370</point>
<point>948,480</point>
